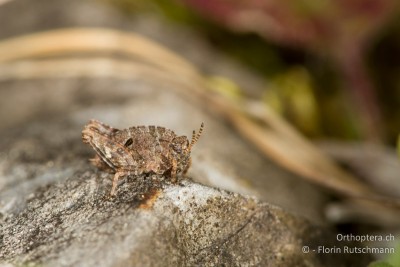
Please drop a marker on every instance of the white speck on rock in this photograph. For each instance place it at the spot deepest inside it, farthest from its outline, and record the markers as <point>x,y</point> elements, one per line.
<point>182,197</point>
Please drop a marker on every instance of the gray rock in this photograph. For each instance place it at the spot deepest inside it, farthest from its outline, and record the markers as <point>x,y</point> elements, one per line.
<point>74,222</point>
<point>56,210</point>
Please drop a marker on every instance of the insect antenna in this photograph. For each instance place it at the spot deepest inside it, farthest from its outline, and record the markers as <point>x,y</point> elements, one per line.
<point>195,137</point>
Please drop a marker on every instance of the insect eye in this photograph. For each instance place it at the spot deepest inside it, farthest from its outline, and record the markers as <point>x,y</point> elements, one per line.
<point>128,142</point>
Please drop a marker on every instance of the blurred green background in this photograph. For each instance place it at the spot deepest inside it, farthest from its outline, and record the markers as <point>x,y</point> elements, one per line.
<point>330,67</point>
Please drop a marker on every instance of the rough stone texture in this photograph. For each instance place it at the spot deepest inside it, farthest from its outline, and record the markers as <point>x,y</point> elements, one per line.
<point>55,208</point>
<point>73,223</point>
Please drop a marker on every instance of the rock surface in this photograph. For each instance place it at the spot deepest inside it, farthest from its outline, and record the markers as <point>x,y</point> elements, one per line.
<point>56,210</point>
<point>74,223</point>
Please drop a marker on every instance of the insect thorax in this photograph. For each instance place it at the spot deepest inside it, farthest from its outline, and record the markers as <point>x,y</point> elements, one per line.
<point>154,149</point>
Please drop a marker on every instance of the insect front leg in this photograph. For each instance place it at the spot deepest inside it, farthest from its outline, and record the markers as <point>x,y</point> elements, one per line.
<point>99,163</point>
<point>115,182</point>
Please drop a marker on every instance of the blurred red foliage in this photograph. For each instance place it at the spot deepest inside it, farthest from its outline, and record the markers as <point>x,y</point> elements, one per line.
<point>341,30</point>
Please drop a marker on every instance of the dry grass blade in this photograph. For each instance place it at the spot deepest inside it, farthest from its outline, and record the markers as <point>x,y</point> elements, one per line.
<point>4,1</point>
<point>275,138</point>
<point>90,40</point>
<point>267,131</point>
